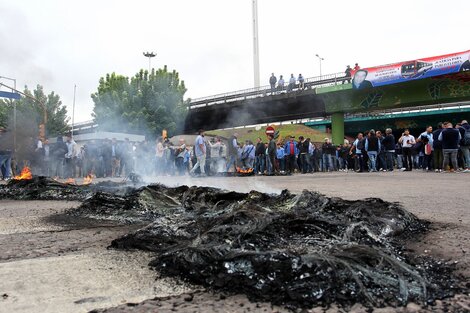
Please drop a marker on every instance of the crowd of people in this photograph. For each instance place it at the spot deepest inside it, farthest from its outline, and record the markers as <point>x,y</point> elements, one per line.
<point>65,159</point>
<point>445,149</point>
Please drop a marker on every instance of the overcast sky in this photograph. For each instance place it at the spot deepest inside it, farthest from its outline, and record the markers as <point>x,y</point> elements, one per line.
<point>209,42</point>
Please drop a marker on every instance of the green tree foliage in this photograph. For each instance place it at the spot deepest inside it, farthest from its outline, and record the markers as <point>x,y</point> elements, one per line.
<point>4,109</point>
<point>144,104</point>
<point>30,113</point>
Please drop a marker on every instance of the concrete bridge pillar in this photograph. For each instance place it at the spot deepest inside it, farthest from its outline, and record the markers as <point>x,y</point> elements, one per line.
<point>337,128</point>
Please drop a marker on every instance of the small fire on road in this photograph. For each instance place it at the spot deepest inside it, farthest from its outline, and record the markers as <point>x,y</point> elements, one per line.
<point>25,174</point>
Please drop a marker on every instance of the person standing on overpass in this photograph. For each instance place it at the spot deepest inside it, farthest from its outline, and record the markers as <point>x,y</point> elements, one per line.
<point>348,74</point>
<point>291,85</point>
<point>280,83</point>
<point>301,82</point>
<point>272,82</point>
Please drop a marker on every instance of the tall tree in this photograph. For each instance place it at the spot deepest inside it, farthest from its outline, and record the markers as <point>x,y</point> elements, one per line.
<point>144,104</point>
<point>30,113</point>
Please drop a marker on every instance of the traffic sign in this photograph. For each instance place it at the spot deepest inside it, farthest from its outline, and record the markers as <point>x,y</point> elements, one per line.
<point>11,95</point>
<point>270,130</point>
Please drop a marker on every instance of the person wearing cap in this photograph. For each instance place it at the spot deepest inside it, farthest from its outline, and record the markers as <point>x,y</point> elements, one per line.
<point>291,152</point>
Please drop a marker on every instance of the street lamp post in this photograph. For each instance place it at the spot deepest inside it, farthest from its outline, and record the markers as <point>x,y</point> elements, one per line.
<point>319,59</point>
<point>255,44</point>
<point>14,112</point>
<point>150,55</point>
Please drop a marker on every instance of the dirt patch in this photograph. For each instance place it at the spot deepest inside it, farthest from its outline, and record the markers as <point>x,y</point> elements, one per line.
<point>206,302</point>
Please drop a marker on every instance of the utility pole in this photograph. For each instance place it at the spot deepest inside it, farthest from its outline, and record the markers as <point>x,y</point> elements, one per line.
<point>150,55</point>
<point>255,44</point>
<point>73,107</point>
<point>320,59</point>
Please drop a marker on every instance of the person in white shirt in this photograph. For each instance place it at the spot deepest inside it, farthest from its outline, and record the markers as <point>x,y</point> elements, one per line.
<point>217,163</point>
<point>70,156</point>
<point>200,150</point>
<point>407,141</point>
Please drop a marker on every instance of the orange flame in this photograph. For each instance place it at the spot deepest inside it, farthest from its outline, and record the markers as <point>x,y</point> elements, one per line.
<point>25,174</point>
<point>70,181</point>
<point>243,171</point>
<point>87,180</point>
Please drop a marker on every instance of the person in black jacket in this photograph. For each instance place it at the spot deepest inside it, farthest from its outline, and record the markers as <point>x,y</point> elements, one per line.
<point>328,150</point>
<point>348,73</point>
<point>389,147</point>
<point>59,149</point>
<point>303,146</point>
<point>272,82</point>
<point>271,154</point>
<point>437,148</point>
<point>372,146</point>
<point>260,155</point>
<point>450,138</point>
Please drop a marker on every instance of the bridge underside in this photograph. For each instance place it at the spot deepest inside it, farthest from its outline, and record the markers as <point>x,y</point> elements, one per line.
<point>328,101</point>
<point>255,111</point>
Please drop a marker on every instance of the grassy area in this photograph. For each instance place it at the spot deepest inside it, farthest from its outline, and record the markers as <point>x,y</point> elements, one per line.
<point>250,133</point>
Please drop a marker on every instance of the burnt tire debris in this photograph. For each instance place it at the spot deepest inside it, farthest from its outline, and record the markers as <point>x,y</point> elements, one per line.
<point>296,250</point>
<point>45,188</point>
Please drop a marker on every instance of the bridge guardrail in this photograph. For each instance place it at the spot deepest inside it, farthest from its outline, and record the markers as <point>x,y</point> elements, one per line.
<point>324,80</point>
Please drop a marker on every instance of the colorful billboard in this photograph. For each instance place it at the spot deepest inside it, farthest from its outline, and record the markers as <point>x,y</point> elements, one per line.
<point>411,70</point>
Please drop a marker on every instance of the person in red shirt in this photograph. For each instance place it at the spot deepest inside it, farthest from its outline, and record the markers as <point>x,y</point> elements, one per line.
<point>291,151</point>
<point>356,67</point>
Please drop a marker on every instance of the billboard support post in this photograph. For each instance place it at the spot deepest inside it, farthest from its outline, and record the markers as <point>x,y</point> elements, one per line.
<point>337,128</point>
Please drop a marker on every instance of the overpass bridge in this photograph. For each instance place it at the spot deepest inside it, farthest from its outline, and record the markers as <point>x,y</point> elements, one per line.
<point>323,97</point>
<point>416,119</point>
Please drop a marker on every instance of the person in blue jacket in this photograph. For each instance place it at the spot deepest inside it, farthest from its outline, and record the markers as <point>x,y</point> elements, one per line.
<point>291,151</point>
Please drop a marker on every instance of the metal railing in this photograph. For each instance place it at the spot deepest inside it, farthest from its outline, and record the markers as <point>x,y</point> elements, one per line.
<point>416,109</point>
<point>250,93</point>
